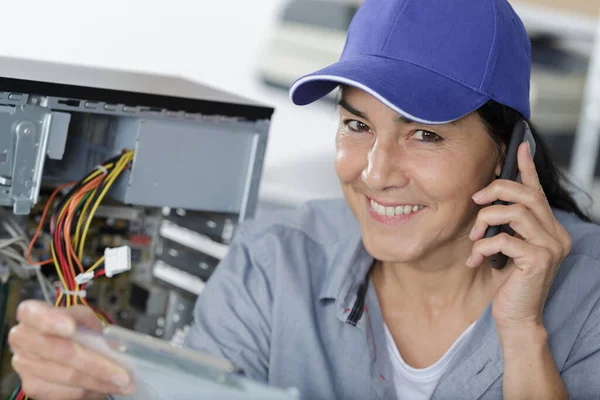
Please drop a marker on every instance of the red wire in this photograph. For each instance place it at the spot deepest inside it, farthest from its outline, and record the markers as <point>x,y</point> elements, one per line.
<point>41,225</point>
<point>63,262</point>
<point>69,278</point>
<point>105,315</point>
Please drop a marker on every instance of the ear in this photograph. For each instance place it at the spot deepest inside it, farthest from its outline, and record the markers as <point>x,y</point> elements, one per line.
<point>498,169</point>
<point>500,160</point>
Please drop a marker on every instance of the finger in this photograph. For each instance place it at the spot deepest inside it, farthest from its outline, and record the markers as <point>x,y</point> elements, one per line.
<point>47,371</point>
<point>529,175</point>
<point>42,390</point>
<point>60,322</point>
<point>45,318</point>
<point>521,220</point>
<point>526,257</point>
<point>514,192</point>
<point>27,341</point>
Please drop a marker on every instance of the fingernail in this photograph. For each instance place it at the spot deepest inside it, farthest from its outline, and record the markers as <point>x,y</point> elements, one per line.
<point>468,263</point>
<point>64,328</point>
<point>529,151</point>
<point>128,389</point>
<point>122,380</point>
<point>473,232</point>
<point>478,196</point>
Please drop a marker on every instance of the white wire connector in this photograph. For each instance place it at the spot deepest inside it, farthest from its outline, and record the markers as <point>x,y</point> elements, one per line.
<point>102,168</point>
<point>84,277</point>
<point>117,260</point>
<point>80,293</point>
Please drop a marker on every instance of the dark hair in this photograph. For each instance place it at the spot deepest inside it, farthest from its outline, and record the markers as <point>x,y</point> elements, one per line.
<point>500,120</point>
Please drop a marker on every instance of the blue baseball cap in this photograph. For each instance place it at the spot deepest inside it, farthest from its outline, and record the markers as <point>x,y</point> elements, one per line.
<point>432,61</point>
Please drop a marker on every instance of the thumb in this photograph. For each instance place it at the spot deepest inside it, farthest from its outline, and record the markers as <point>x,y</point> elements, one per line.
<point>84,317</point>
<point>56,321</point>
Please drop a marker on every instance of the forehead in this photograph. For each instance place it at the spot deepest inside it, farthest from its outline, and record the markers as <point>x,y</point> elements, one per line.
<point>361,103</point>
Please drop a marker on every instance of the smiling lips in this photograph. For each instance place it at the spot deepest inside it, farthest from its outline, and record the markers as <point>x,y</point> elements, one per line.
<point>398,210</point>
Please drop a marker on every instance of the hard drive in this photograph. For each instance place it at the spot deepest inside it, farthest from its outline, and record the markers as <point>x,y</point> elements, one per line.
<point>163,372</point>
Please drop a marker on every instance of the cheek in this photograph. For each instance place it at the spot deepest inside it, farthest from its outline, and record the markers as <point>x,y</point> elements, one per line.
<point>349,163</point>
<point>449,178</point>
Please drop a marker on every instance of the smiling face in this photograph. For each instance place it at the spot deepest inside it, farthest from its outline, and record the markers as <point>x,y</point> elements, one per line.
<point>408,184</point>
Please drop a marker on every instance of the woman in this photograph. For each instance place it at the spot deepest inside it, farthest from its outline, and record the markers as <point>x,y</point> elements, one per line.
<point>391,294</point>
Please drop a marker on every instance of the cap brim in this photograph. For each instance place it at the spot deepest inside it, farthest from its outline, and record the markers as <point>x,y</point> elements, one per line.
<point>416,93</point>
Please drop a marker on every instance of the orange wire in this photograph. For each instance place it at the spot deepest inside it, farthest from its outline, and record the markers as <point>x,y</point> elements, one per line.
<point>67,231</point>
<point>41,225</point>
<point>94,183</point>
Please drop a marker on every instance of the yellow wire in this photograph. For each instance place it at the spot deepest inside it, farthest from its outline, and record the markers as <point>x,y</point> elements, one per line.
<point>87,203</point>
<point>112,176</point>
<point>58,299</point>
<point>80,222</point>
<point>96,264</point>
<point>60,215</point>
<point>102,318</point>
<point>53,250</point>
<point>121,164</point>
<point>81,240</point>
<point>57,265</point>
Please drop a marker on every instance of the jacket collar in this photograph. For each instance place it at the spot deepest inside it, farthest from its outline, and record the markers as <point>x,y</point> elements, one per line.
<point>348,267</point>
<point>476,366</point>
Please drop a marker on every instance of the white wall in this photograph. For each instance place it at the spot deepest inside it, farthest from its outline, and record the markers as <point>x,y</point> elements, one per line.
<point>214,41</point>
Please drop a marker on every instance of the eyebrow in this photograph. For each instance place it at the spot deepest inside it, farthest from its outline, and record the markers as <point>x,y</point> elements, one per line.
<point>399,119</point>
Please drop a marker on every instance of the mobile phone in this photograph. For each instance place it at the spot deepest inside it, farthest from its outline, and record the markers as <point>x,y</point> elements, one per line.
<point>510,170</point>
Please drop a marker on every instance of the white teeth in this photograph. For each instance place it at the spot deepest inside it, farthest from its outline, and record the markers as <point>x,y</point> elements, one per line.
<point>391,211</point>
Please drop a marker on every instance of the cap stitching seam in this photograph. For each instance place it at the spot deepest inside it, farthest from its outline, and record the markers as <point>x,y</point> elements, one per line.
<point>394,24</point>
<point>489,60</point>
<point>432,69</point>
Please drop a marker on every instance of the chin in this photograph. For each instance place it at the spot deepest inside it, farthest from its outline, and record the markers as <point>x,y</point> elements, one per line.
<point>390,250</point>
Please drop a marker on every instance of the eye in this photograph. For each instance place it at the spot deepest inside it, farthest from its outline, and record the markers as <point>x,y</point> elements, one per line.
<point>356,126</point>
<point>427,136</point>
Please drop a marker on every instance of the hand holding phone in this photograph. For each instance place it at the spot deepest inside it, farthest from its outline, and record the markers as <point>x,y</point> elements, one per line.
<point>521,133</point>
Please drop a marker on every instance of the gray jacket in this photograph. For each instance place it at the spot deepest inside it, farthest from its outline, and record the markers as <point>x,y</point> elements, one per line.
<point>279,304</point>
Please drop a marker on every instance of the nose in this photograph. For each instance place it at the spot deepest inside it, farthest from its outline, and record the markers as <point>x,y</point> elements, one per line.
<point>384,168</point>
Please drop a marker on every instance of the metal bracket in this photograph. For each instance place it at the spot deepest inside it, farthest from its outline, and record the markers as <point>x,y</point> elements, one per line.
<point>23,146</point>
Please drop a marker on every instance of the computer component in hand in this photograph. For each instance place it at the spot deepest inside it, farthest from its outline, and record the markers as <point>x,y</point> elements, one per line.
<point>162,371</point>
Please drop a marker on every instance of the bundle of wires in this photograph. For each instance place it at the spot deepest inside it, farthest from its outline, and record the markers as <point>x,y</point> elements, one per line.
<point>13,250</point>
<point>69,227</point>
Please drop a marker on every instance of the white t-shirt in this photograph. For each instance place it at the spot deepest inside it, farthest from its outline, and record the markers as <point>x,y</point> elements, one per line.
<point>419,384</point>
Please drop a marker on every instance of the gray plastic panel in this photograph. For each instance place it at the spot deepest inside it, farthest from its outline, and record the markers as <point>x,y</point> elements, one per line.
<point>195,166</point>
